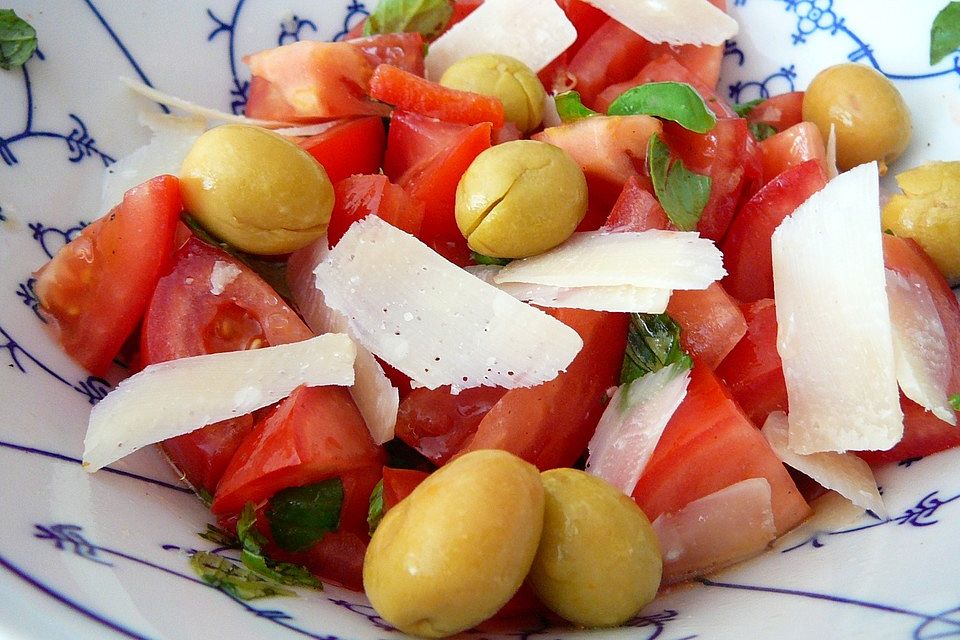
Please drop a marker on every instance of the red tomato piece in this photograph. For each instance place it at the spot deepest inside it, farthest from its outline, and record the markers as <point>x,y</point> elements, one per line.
<point>780,112</point>
<point>93,293</point>
<point>711,323</point>
<point>315,434</point>
<point>415,140</point>
<point>791,147</point>
<point>637,209</point>
<point>398,484</point>
<point>752,371</point>
<point>709,445</point>
<point>550,424</point>
<point>611,55</point>
<point>202,456</point>
<point>403,50</point>
<point>746,246</point>
<point>412,93</point>
<point>351,147</point>
<point>309,81</point>
<point>361,195</point>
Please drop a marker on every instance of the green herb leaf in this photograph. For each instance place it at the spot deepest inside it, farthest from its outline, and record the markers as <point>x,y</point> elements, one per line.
<point>653,342</point>
<point>428,17</point>
<point>761,130</point>
<point>676,101</point>
<point>744,109</point>
<point>220,537</point>
<point>18,40</point>
<point>300,516</point>
<point>375,511</point>
<point>236,580</point>
<point>251,553</point>
<point>682,193</point>
<point>954,401</point>
<point>945,33</point>
<point>570,108</point>
<point>479,258</point>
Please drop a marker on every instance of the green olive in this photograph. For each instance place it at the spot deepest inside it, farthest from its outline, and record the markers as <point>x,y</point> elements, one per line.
<point>599,559</point>
<point>928,211</point>
<point>517,86</point>
<point>869,115</point>
<point>455,550</point>
<point>256,190</point>
<point>520,198</point>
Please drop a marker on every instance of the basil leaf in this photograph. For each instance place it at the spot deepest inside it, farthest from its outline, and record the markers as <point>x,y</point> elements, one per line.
<point>945,33</point>
<point>954,401</point>
<point>570,108</point>
<point>653,342</point>
<point>479,258</point>
<point>375,510</point>
<point>220,537</point>
<point>682,193</point>
<point>428,17</point>
<point>234,579</point>
<point>676,101</point>
<point>744,109</point>
<point>18,40</point>
<point>761,130</point>
<point>301,516</point>
<point>251,554</point>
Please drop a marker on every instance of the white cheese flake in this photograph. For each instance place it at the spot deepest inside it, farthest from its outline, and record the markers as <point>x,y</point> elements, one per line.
<point>672,21</point>
<point>207,113</point>
<point>834,333</point>
<point>221,275</point>
<point>434,321</point>
<point>176,397</point>
<point>533,31</point>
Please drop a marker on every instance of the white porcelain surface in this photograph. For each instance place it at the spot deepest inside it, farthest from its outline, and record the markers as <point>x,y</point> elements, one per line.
<point>102,556</point>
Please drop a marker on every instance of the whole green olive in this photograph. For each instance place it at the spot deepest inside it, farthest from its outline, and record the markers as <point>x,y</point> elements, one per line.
<point>455,550</point>
<point>256,190</point>
<point>517,86</point>
<point>599,559</point>
<point>520,198</point>
<point>869,115</point>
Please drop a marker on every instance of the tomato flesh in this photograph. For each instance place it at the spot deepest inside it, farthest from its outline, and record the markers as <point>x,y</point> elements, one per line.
<point>358,196</point>
<point>351,147</point>
<point>711,322</point>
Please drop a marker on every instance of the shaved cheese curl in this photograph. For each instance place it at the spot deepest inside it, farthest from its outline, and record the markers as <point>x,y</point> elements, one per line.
<point>672,21</point>
<point>434,321</point>
<point>834,334</point>
<point>179,396</point>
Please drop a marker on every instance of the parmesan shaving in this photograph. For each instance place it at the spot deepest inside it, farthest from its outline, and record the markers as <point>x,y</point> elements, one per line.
<point>533,31</point>
<point>831,157</point>
<point>221,275</point>
<point>179,396</point>
<point>672,21</point>
<point>434,321</point>
<point>377,399</point>
<point>648,259</point>
<point>844,473</point>
<point>834,333</point>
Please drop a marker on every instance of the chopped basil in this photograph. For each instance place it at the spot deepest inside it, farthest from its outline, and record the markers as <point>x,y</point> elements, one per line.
<point>676,101</point>
<point>954,401</point>
<point>234,579</point>
<point>18,40</point>
<point>375,511</point>
<point>761,130</point>
<point>653,342</point>
<point>220,537</point>
<point>682,193</point>
<point>744,109</point>
<point>479,258</point>
<point>570,107</point>
<point>428,17</point>
<point>301,516</point>
<point>251,553</point>
<point>945,33</point>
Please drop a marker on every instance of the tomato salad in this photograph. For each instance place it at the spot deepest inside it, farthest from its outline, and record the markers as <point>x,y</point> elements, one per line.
<point>622,134</point>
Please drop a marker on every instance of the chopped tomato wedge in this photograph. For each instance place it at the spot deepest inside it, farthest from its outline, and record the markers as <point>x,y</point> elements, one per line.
<point>414,140</point>
<point>403,50</point>
<point>791,147</point>
<point>746,246</point>
<point>351,147</point>
<point>94,292</point>
<point>361,195</point>
<point>410,92</point>
<point>711,322</point>
<point>398,484</point>
<point>202,456</point>
<point>709,445</point>
<point>780,112</point>
<point>636,209</point>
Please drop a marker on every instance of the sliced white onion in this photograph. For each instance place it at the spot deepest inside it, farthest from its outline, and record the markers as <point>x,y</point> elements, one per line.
<point>920,346</point>
<point>179,396</point>
<point>844,473</point>
<point>716,531</point>
<point>672,21</point>
<point>632,423</point>
<point>834,333</point>
<point>434,321</point>
<point>533,31</point>
<point>376,397</point>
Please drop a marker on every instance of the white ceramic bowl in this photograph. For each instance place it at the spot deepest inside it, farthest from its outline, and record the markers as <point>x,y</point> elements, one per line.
<point>104,556</point>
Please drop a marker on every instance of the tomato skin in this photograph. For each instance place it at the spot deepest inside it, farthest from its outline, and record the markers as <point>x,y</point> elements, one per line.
<point>202,456</point>
<point>358,196</point>
<point>612,54</point>
<point>403,50</point>
<point>94,292</point>
<point>351,147</point>
<point>780,112</point>
<point>711,322</point>
<point>398,484</point>
<point>636,209</point>
<point>314,434</point>
<point>746,247</point>
<point>792,147</point>
<point>410,92</point>
<point>709,445</point>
